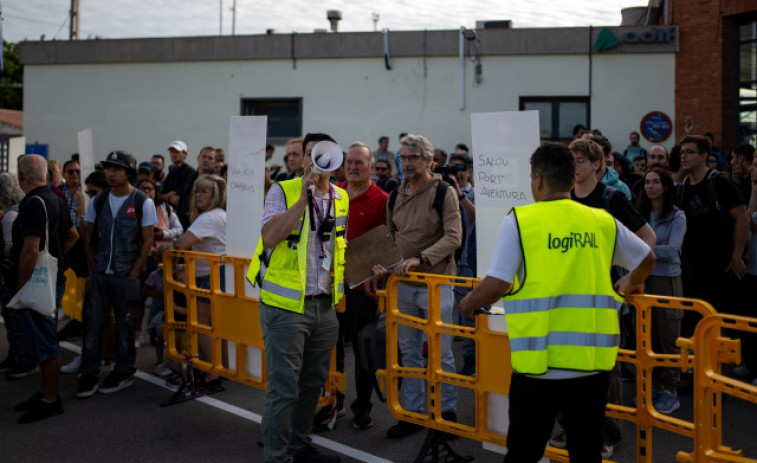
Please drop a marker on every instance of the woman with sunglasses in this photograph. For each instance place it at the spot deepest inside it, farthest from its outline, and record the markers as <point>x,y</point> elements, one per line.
<point>169,227</point>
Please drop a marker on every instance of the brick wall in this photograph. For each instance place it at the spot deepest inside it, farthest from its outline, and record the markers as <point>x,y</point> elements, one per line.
<point>707,65</point>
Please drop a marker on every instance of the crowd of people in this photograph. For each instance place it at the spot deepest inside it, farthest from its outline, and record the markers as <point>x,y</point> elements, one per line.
<point>112,228</point>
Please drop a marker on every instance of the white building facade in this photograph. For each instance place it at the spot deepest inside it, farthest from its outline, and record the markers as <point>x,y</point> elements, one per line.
<point>140,94</point>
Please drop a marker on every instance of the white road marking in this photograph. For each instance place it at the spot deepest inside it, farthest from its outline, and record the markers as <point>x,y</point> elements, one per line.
<point>334,446</point>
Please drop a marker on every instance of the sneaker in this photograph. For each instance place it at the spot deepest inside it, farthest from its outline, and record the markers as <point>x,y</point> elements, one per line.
<point>311,455</point>
<point>324,414</point>
<point>87,386</point>
<point>28,404</point>
<point>41,410</point>
<point>117,381</point>
<point>71,367</point>
<point>469,367</point>
<point>105,369</point>
<point>667,403</point>
<point>363,421</point>
<point>162,370</point>
<point>559,440</point>
<point>656,392</point>
<point>403,429</point>
<point>6,365</point>
<point>22,372</point>
<point>173,381</point>
<point>607,451</point>
<point>138,340</point>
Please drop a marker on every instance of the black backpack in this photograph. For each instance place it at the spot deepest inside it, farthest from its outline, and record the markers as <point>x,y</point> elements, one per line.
<point>99,200</point>
<point>438,205</point>
<point>712,198</point>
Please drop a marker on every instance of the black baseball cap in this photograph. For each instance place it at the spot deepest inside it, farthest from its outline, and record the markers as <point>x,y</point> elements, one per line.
<point>121,159</point>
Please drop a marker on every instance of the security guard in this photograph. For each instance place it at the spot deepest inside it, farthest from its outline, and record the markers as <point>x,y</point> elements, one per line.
<point>302,241</point>
<point>552,264</point>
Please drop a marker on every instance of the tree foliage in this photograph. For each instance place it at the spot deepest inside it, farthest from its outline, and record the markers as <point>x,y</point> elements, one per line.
<point>13,73</point>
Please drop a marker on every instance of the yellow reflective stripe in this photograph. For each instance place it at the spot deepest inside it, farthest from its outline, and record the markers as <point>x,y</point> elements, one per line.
<point>281,291</point>
<point>564,338</point>
<point>573,301</point>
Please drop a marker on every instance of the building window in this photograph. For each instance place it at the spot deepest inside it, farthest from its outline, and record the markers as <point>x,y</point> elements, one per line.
<point>284,115</point>
<point>748,83</point>
<point>558,115</point>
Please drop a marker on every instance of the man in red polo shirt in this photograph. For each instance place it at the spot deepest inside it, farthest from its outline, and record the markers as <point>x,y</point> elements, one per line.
<point>367,211</point>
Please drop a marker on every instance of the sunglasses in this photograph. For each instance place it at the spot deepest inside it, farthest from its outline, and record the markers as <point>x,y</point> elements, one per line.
<point>73,171</point>
<point>381,168</point>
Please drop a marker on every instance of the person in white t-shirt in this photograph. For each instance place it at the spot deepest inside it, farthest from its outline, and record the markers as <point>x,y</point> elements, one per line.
<point>207,233</point>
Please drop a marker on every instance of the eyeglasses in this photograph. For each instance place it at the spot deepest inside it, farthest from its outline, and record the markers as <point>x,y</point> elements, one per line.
<point>147,189</point>
<point>689,152</point>
<point>381,168</point>
<point>411,158</point>
<point>73,171</point>
<point>92,193</point>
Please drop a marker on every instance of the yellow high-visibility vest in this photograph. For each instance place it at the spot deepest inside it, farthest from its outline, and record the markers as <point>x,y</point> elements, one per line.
<point>564,314</point>
<point>283,284</point>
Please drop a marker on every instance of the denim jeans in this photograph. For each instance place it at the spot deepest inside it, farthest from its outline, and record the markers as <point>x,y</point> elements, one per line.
<point>297,353</point>
<point>413,300</point>
<point>106,291</point>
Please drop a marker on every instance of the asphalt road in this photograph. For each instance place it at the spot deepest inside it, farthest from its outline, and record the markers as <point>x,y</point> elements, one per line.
<point>130,426</point>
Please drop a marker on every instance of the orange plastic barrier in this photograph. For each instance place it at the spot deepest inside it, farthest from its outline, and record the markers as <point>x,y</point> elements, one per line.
<point>73,297</point>
<point>493,369</point>
<point>235,327</point>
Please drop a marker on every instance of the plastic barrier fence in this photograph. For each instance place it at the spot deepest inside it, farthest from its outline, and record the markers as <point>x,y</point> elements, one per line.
<point>490,385</point>
<point>234,331</point>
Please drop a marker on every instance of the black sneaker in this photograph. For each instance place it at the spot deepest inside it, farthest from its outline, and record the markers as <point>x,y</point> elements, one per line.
<point>363,421</point>
<point>209,387</point>
<point>117,381</point>
<point>311,455</point>
<point>87,386</point>
<point>40,411</point>
<point>403,429</point>
<point>22,372</point>
<point>28,404</point>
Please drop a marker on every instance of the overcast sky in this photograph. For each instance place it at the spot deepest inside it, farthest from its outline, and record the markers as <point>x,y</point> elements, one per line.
<point>30,19</point>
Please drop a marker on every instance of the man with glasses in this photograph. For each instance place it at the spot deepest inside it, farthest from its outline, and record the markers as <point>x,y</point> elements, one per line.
<point>717,227</point>
<point>384,179</point>
<point>427,237</point>
<point>158,164</point>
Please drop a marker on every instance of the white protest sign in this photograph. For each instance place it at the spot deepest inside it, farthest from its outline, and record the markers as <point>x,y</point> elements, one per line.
<point>245,190</point>
<point>245,187</point>
<point>86,153</point>
<point>502,146</point>
<point>16,147</point>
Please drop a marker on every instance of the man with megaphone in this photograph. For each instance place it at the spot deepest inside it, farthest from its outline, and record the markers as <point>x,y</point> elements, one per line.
<point>302,242</point>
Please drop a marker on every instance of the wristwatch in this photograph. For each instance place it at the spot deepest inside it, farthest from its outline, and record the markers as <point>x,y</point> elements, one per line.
<point>419,256</point>
<point>460,198</point>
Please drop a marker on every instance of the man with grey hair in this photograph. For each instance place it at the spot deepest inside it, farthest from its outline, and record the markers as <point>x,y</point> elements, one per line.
<point>43,222</point>
<point>423,214</point>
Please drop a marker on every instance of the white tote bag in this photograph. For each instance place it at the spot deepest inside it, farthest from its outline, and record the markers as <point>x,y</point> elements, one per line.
<point>39,291</point>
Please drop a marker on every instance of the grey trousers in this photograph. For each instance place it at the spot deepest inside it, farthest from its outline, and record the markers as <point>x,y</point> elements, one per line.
<point>297,353</point>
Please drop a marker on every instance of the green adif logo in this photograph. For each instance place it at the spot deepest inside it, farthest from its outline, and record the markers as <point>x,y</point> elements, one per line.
<point>605,40</point>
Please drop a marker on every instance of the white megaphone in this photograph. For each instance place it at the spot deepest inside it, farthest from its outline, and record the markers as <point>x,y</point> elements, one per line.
<point>327,156</point>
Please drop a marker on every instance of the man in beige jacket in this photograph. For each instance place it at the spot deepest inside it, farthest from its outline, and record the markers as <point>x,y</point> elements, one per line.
<point>427,235</point>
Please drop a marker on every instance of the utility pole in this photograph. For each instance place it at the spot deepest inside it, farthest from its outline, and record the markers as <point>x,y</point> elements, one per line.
<point>220,18</point>
<point>73,22</point>
<point>234,18</point>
